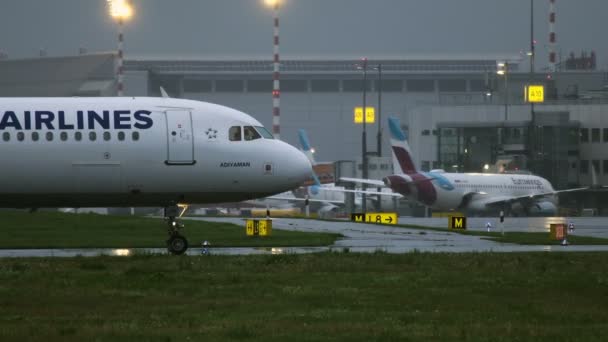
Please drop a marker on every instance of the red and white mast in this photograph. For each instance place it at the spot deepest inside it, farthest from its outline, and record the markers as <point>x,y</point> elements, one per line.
<point>276,89</point>
<point>552,37</point>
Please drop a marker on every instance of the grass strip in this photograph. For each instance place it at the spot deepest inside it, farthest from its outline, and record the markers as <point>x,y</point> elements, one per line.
<point>46,229</point>
<point>312,297</point>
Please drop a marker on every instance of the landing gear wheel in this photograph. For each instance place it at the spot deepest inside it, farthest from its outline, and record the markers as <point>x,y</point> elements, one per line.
<point>177,244</point>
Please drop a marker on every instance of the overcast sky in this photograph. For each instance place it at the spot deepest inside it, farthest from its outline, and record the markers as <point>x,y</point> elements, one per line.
<point>342,28</point>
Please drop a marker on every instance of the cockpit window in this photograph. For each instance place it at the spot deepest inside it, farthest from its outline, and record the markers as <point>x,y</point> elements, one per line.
<point>235,133</point>
<point>264,132</point>
<point>250,133</point>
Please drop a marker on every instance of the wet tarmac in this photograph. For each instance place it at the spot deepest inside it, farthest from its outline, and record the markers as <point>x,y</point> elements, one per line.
<point>369,238</point>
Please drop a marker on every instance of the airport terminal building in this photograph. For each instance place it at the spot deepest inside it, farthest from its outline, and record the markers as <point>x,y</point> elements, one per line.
<point>458,113</point>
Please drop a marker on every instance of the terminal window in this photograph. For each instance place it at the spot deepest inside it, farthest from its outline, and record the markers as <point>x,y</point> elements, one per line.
<point>325,86</point>
<point>356,85</point>
<point>294,86</point>
<point>596,166</point>
<point>260,86</point>
<point>584,167</point>
<point>452,85</point>
<point>426,165</point>
<point>584,135</point>
<point>478,85</point>
<point>420,85</point>
<point>390,85</point>
<point>235,86</point>
<point>595,135</point>
<point>197,86</point>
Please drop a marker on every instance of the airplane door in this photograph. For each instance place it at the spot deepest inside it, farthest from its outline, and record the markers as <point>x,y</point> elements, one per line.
<point>180,140</point>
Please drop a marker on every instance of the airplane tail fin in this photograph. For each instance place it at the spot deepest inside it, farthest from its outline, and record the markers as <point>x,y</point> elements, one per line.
<point>402,155</point>
<point>304,142</point>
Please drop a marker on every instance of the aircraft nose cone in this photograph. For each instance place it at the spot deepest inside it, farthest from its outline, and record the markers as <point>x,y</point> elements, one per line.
<point>299,167</point>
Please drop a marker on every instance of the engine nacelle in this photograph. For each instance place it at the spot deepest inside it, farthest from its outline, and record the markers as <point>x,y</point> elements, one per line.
<point>473,206</point>
<point>543,209</point>
<point>328,210</point>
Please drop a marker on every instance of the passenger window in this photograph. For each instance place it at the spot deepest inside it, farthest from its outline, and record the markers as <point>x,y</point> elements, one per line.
<point>121,136</point>
<point>20,136</point>
<point>92,136</point>
<point>106,136</point>
<point>135,136</point>
<point>250,133</point>
<point>235,133</point>
<point>63,136</point>
<point>35,136</point>
<point>6,136</point>
<point>78,136</point>
<point>49,136</point>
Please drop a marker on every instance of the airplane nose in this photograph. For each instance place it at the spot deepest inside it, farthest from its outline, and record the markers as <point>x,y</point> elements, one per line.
<point>298,166</point>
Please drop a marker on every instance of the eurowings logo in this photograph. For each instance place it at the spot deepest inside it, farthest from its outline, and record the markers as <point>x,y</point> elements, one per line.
<point>443,182</point>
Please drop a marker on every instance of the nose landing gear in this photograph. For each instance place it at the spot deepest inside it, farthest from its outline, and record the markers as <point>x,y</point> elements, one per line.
<point>176,244</point>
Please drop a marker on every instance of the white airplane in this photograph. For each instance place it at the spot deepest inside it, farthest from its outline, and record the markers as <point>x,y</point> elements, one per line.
<point>470,192</point>
<point>128,152</point>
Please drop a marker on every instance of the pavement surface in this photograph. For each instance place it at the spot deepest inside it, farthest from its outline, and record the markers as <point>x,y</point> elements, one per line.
<point>369,238</point>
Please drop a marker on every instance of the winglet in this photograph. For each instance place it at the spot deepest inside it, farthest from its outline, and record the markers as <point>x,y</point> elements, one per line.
<point>163,93</point>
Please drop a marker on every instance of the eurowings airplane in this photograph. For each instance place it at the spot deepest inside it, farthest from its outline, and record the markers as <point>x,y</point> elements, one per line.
<point>109,152</point>
<point>470,192</point>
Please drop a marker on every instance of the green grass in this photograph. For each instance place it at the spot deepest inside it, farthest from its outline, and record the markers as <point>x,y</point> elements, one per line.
<point>314,297</point>
<point>57,230</point>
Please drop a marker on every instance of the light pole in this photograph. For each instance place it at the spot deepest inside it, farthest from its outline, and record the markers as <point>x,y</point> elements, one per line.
<point>120,10</point>
<point>276,89</point>
<point>503,69</point>
<point>364,136</point>
<point>379,135</point>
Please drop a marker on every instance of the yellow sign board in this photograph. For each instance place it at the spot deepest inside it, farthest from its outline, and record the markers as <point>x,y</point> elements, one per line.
<point>458,222</point>
<point>383,218</point>
<point>258,227</point>
<point>370,114</point>
<point>535,93</point>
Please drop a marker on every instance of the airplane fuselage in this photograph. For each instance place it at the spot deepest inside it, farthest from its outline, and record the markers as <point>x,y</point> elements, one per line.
<point>468,191</point>
<point>136,152</point>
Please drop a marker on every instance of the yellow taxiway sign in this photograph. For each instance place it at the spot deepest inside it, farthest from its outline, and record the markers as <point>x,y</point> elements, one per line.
<point>383,218</point>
